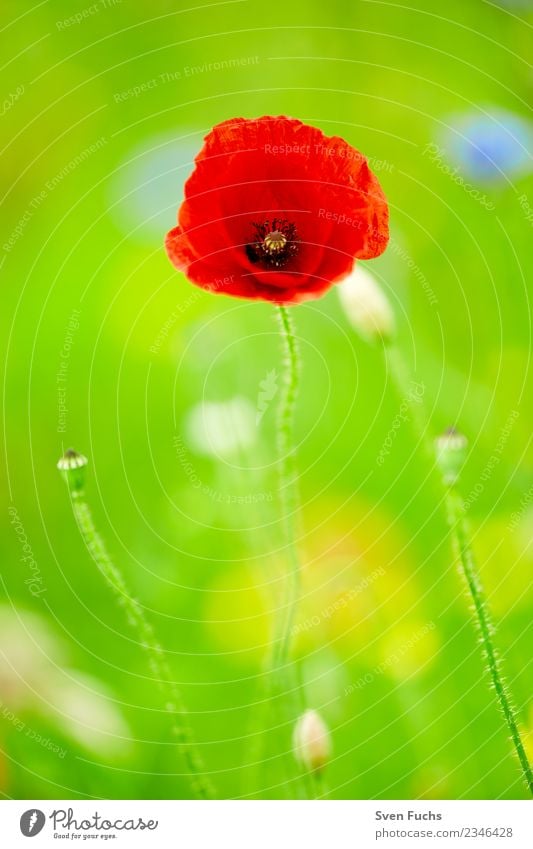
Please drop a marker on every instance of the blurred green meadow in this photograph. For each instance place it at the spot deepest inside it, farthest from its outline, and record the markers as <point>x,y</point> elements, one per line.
<point>108,349</point>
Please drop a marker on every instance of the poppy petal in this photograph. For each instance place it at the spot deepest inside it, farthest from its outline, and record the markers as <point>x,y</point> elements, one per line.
<point>273,172</point>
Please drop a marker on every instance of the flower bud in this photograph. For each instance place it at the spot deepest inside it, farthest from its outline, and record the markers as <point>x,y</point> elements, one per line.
<point>366,305</point>
<point>450,450</point>
<point>72,468</point>
<point>311,741</point>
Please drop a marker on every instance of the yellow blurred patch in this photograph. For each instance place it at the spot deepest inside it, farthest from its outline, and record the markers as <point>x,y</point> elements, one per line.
<point>358,577</point>
<point>236,617</point>
<point>432,782</point>
<point>504,554</point>
<point>408,648</point>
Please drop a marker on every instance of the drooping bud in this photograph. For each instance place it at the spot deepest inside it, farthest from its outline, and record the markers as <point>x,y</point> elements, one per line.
<point>450,450</point>
<point>366,305</point>
<point>72,468</point>
<point>311,741</point>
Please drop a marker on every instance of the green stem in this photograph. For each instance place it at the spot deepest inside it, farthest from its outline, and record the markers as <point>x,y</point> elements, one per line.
<point>281,679</point>
<point>174,706</point>
<point>467,564</point>
<point>288,484</point>
<point>401,376</point>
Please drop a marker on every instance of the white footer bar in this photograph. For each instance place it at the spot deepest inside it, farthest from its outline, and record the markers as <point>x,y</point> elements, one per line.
<point>268,825</point>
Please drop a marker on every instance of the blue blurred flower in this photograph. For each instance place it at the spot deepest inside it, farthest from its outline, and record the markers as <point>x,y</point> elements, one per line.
<point>145,187</point>
<point>491,146</point>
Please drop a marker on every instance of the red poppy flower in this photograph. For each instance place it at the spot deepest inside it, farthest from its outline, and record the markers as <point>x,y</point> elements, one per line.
<point>276,210</point>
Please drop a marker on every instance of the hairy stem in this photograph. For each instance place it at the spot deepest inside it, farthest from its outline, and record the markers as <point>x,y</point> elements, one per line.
<point>288,485</point>
<point>460,539</point>
<point>485,627</point>
<point>135,615</point>
<point>282,687</point>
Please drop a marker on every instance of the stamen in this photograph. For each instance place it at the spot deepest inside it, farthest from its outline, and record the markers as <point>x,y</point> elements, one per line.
<point>276,243</point>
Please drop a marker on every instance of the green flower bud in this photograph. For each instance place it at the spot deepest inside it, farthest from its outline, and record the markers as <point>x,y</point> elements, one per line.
<point>72,468</point>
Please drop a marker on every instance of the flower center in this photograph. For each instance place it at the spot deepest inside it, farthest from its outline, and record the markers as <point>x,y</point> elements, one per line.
<point>275,244</point>
<point>275,241</point>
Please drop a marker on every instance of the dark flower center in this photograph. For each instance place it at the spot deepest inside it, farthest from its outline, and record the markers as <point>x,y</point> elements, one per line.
<point>276,242</point>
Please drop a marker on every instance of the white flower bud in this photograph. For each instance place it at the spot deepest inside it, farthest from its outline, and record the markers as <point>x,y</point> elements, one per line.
<point>366,305</point>
<point>311,741</point>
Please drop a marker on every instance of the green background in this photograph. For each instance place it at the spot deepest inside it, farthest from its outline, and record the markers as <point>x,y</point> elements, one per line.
<point>149,346</point>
